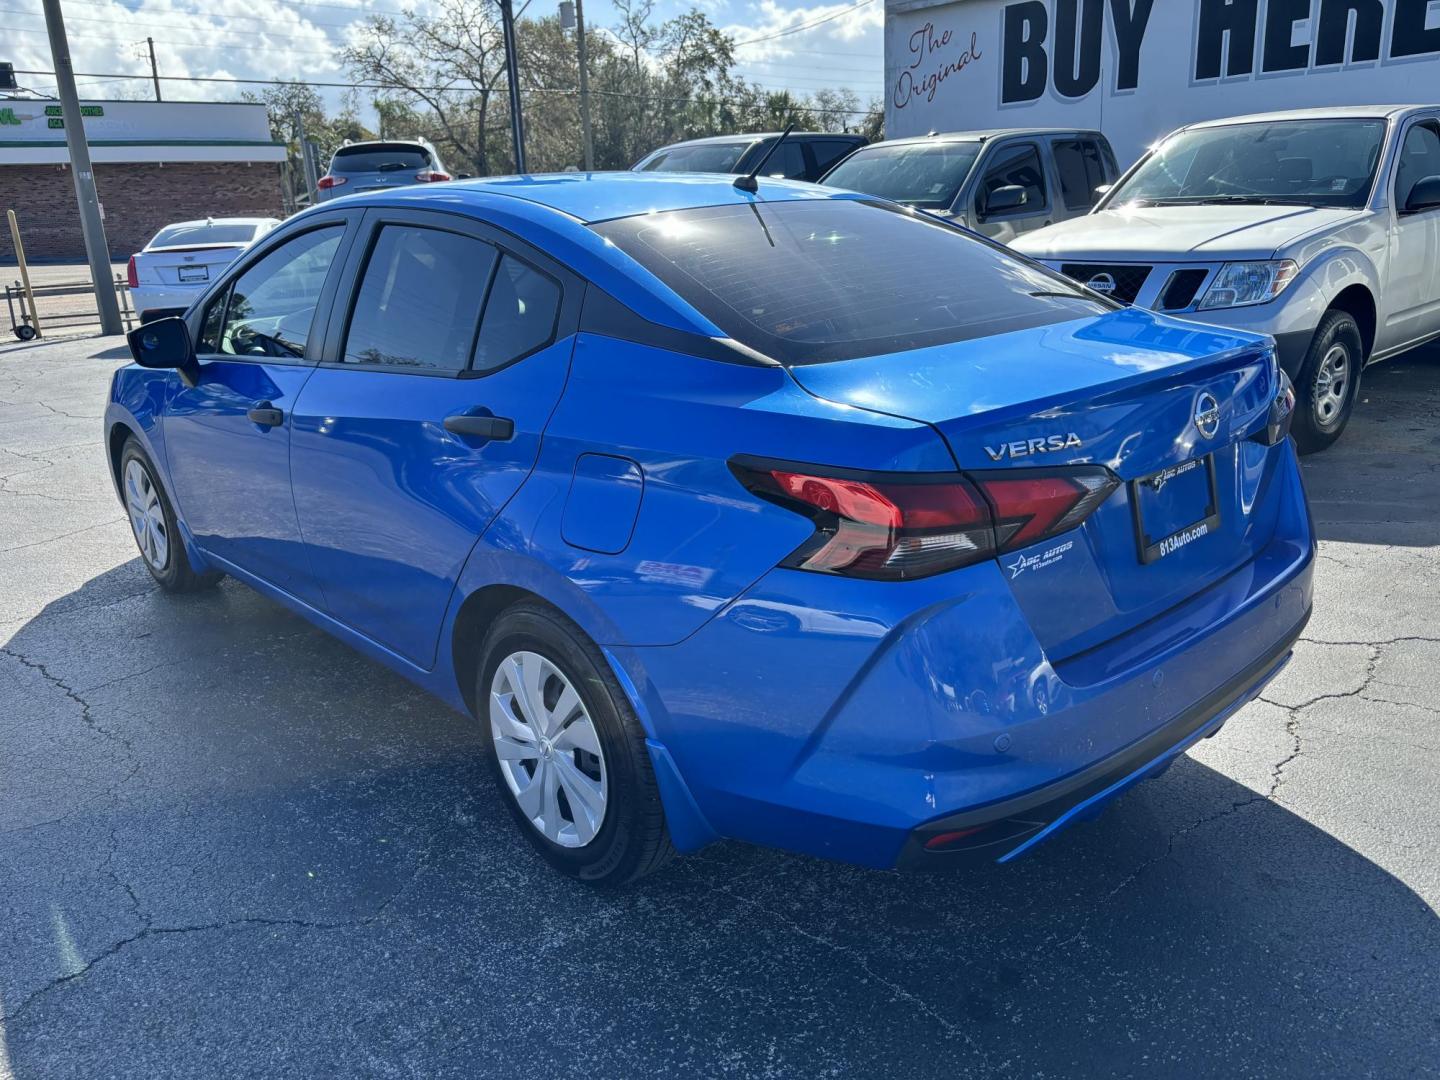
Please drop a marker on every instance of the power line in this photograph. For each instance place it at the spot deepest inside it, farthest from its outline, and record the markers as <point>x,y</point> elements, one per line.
<point>804,26</point>
<point>565,90</point>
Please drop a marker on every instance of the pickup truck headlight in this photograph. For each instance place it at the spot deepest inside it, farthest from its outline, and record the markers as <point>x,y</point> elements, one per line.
<point>1241,283</point>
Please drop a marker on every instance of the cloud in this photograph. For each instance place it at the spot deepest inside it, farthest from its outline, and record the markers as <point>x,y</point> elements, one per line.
<point>842,22</point>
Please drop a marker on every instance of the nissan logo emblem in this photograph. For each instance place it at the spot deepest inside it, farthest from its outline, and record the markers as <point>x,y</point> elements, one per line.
<point>1101,283</point>
<point>1207,415</point>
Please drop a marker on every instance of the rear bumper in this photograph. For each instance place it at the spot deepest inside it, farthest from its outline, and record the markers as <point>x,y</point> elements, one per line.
<point>163,298</point>
<point>1002,831</point>
<point>854,720</point>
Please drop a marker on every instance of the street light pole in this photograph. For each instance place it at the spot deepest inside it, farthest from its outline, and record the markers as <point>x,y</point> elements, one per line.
<point>91,224</point>
<point>512,71</point>
<point>584,86</point>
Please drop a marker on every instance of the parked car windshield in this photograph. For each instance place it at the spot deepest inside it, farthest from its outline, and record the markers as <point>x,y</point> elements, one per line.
<point>924,175</point>
<point>700,157</point>
<point>378,157</point>
<point>810,281</point>
<point>1308,162</point>
<point>203,233</point>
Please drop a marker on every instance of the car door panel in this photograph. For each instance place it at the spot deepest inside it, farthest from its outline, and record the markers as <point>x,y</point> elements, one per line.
<point>230,474</point>
<point>1412,293</point>
<point>390,502</point>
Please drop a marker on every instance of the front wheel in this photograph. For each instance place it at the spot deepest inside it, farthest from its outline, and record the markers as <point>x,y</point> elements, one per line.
<point>152,520</point>
<point>567,749</point>
<point>1328,382</point>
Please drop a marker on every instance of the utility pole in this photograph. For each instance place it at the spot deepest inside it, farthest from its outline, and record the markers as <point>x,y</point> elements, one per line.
<point>307,160</point>
<point>512,71</point>
<point>584,86</point>
<point>154,70</point>
<point>91,224</point>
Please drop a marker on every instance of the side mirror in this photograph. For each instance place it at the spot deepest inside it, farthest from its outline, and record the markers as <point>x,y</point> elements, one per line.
<point>1007,198</point>
<point>164,343</point>
<point>1424,195</point>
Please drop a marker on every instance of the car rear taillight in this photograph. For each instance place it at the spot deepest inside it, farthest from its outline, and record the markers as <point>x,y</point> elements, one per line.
<point>431,176</point>
<point>132,276</point>
<point>1031,505</point>
<point>326,182</point>
<point>900,526</point>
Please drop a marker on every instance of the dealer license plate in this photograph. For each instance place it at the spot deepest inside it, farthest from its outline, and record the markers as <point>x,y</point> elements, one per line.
<point>1174,507</point>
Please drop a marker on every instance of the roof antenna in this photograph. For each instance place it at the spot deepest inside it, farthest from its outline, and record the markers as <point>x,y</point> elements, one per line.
<point>748,181</point>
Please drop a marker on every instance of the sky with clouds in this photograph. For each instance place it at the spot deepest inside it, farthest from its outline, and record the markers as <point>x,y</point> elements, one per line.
<point>290,39</point>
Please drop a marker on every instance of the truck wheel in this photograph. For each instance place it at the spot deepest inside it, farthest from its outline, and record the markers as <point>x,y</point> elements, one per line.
<point>1328,382</point>
<point>567,749</point>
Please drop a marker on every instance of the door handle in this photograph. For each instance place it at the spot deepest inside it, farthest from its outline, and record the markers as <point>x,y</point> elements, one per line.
<point>266,415</point>
<point>481,427</point>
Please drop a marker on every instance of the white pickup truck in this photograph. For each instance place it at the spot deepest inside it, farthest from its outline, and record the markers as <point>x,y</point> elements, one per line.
<point>1320,227</point>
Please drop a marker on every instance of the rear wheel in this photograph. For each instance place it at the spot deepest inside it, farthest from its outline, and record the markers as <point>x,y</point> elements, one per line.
<point>1328,382</point>
<point>567,749</point>
<point>152,521</point>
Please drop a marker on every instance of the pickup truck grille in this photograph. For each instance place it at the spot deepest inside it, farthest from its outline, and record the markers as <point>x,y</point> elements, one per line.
<point>1128,279</point>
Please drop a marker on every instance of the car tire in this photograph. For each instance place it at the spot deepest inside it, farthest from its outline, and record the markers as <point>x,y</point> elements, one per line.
<point>1328,382</point>
<point>583,751</point>
<point>152,523</point>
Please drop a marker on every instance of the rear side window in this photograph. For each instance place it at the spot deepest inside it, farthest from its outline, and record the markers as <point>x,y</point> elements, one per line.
<point>419,300</point>
<point>1419,158</point>
<point>520,315</point>
<point>828,151</point>
<point>272,304</point>
<point>1082,169</point>
<point>831,279</point>
<point>380,157</point>
<point>1016,166</point>
<point>787,162</point>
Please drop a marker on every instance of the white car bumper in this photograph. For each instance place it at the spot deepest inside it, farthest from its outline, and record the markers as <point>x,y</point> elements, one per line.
<point>145,298</point>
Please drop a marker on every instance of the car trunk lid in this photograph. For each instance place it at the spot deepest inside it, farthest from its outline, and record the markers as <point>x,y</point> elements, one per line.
<point>190,265</point>
<point>1166,405</point>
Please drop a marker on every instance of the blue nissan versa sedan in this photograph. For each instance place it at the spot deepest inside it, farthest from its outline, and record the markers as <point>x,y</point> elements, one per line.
<point>790,516</point>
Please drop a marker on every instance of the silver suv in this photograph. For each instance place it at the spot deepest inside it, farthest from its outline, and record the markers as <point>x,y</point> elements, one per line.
<point>372,166</point>
<point>1320,227</point>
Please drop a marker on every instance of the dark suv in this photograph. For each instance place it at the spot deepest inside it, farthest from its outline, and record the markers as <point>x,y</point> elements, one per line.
<point>805,155</point>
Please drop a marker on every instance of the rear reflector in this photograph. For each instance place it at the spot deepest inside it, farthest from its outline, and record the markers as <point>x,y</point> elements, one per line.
<point>901,526</point>
<point>132,276</point>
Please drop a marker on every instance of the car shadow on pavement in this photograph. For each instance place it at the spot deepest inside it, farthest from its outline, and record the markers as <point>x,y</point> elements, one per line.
<point>230,845</point>
<point>1380,483</point>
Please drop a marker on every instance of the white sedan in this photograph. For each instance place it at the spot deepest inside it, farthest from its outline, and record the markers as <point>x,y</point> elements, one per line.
<point>182,259</point>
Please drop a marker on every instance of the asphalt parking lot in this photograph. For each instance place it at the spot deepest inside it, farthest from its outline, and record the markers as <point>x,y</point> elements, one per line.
<point>229,846</point>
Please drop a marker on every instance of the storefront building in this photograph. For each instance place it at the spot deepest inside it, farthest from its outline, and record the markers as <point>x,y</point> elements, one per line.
<point>155,162</point>
<point>1138,69</point>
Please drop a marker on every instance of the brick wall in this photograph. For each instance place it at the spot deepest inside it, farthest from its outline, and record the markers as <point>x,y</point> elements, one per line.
<point>138,200</point>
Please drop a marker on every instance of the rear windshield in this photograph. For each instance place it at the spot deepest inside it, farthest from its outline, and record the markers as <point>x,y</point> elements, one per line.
<point>181,235</point>
<point>379,157</point>
<point>705,157</point>
<point>831,279</point>
<point>928,175</point>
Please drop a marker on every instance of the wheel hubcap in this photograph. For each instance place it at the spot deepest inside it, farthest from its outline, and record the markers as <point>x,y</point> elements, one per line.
<point>548,748</point>
<point>1332,384</point>
<point>147,517</point>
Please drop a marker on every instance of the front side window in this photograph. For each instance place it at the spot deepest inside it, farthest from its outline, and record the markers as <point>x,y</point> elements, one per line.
<point>272,304</point>
<point>923,175</point>
<point>817,280</point>
<point>1304,162</point>
<point>1081,168</point>
<point>419,300</point>
<point>1016,166</point>
<point>1419,158</point>
<point>520,315</point>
